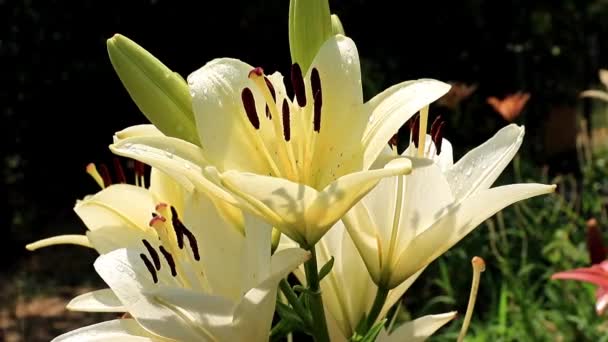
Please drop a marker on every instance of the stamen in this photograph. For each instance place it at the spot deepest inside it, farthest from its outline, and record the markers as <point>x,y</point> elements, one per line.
<point>478,266</point>
<point>92,171</point>
<point>169,259</point>
<point>297,81</point>
<point>120,173</point>
<point>268,114</point>
<point>152,253</point>
<point>149,267</point>
<point>435,125</point>
<point>286,124</point>
<point>415,129</point>
<point>271,88</point>
<point>249,104</point>
<point>424,116</point>
<point>438,137</point>
<point>315,84</point>
<point>105,175</point>
<point>257,71</point>
<point>140,171</point>
<point>178,227</point>
<point>183,231</point>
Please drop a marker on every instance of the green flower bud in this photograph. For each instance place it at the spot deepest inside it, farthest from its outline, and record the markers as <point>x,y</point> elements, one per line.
<point>161,94</point>
<point>310,25</point>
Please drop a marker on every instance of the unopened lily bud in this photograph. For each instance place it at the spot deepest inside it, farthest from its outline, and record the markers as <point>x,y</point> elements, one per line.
<point>310,25</point>
<point>161,94</point>
<point>336,25</point>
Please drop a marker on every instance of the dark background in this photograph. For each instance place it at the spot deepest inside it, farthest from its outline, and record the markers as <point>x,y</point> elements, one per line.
<point>61,101</point>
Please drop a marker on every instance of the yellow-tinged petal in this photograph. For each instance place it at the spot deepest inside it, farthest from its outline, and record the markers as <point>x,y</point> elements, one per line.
<point>177,158</point>
<point>336,25</point>
<point>97,301</point>
<point>118,205</point>
<point>417,330</point>
<point>480,167</point>
<point>160,94</point>
<point>137,131</point>
<point>118,330</point>
<point>166,190</point>
<point>108,238</point>
<point>459,221</point>
<point>301,212</point>
<point>389,110</point>
<point>80,240</point>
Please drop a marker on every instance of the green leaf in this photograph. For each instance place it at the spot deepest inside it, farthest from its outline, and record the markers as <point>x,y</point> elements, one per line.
<point>372,334</point>
<point>289,315</point>
<point>310,25</point>
<point>161,94</point>
<point>326,268</point>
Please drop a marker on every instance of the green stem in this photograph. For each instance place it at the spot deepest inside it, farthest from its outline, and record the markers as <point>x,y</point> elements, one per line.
<point>319,324</point>
<point>292,298</point>
<point>376,307</point>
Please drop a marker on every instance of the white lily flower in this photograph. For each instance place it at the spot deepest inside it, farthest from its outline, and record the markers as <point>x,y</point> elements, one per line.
<point>300,164</point>
<point>199,280</point>
<point>406,222</point>
<point>349,291</point>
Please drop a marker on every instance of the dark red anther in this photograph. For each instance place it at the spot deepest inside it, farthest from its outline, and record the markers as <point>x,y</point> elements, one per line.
<point>181,231</point>
<point>152,253</point>
<point>120,173</point>
<point>315,84</point>
<point>595,245</point>
<point>271,88</point>
<point>394,141</point>
<point>105,175</point>
<point>438,137</point>
<point>249,104</point>
<point>139,168</point>
<point>256,71</point>
<point>297,81</point>
<point>268,114</point>
<point>415,129</point>
<point>149,267</point>
<point>435,125</point>
<point>286,124</point>
<point>169,259</point>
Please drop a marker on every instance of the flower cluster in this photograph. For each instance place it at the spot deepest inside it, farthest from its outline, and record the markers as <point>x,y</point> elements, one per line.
<point>250,182</point>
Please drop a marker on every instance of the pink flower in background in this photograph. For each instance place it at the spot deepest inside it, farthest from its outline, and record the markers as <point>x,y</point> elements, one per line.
<point>597,274</point>
<point>511,106</point>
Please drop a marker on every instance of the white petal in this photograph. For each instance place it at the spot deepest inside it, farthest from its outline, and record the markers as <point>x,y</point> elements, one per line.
<point>223,126</point>
<point>459,221</point>
<point>479,168</point>
<point>179,159</point>
<point>123,205</point>
<point>301,212</point>
<point>124,271</point>
<point>119,330</point>
<point>97,301</point>
<point>397,293</point>
<point>338,144</point>
<point>137,131</point>
<point>417,330</point>
<point>166,190</point>
<point>221,246</point>
<point>109,238</point>
<point>389,110</point>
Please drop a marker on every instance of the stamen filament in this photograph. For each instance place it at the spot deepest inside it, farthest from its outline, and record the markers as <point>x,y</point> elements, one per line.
<point>478,266</point>
<point>92,171</point>
<point>424,116</point>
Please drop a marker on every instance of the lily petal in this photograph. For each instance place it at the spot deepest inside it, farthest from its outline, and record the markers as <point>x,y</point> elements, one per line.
<point>588,275</point>
<point>417,330</point>
<point>123,205</point>
<point>288,205</point>
<point>119,330</point>
<point>389,110</point>
<point>459,221</point>
<point>479,168</point>
<point>109,238</point>
<point>166,190</point>
<point>177,158</point>
<point>220,115</point>
<point>125,273</point>
<point>97,301</point>
<point>137,131</point>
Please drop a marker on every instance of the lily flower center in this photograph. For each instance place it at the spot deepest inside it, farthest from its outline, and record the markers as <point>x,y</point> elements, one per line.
<point>418,135</point>
<point>294,124</point>
<point>172,235</point>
